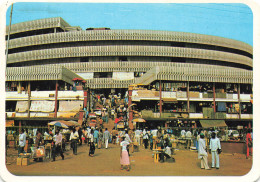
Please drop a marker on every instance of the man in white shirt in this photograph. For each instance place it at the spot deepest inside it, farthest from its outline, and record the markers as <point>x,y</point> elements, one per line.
<point>202,153</point>
<point>57,148</point>
<point>214,146</point>
<point>106,137</point>
<point>138,135</point>
<point>22,141</point>
<point>188,139</point>
<point>74,137</point>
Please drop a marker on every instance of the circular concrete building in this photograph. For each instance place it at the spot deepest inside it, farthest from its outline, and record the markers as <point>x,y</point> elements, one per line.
<point>182,73</point>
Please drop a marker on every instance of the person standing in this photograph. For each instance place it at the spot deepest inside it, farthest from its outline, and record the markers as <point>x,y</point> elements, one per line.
<point>114,134</point>
<point>138,135</point>
<point>100,139</point>
<point>22,142</point>
<point>214,147</point>
<point>80,135</point>
<point>249,144</point>
<point>38,142</point>
<point>202,153</point>
<point>145,138</point>
<point>74,137</point>
<point>96,137</point>
<point>188,139</point>
<point>106,137</point>
<point>124,156</point>
<point>57,147</point>
<point>91,144</point>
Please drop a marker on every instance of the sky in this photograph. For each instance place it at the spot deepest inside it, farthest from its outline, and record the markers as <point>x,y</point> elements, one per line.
<point>234,21</point>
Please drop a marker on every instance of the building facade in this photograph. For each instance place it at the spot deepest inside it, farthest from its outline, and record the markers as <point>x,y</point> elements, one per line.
<point>173,76</point>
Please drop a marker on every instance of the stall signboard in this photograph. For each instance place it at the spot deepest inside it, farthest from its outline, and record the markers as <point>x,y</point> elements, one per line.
<point>9,123</point>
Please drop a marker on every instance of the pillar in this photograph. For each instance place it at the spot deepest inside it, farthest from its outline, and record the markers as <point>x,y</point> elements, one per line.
<point>56,99</point>
<point>188,97</point>
<point>214,97</point>
<point>130,111</point>
<point>160,94</point>
<point>29,99</point>
<point>238,95</point>
<point>85,104</point>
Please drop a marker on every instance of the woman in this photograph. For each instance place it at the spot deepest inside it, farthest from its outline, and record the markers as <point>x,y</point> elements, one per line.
<point>91,145</point>
<point>100,139</point>
<point>124,157</point>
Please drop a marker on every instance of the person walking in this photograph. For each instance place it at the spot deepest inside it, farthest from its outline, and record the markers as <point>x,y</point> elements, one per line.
<point>202,153</point>
<point>22,141</point>
<point>114,134</point>
<point>100,139</point>
<point>57,147</point>
<point>74,137</point>
<point>91,144</point>
<point>124,156</point>
<point>214,149</point>
<point>106,137</point>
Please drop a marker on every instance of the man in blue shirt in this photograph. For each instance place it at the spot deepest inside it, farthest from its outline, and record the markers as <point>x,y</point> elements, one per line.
<point>96,136</point>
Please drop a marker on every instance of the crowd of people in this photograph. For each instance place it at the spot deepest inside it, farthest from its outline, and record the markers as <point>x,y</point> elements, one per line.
<point>204,141</point>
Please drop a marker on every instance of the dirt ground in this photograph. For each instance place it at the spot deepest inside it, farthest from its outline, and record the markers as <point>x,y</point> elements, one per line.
<point>106,162</point>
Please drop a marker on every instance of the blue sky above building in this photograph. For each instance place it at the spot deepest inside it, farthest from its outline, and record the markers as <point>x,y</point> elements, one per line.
<point>234,21</point>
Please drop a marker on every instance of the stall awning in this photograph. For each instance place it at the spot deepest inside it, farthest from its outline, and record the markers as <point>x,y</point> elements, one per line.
<point>169,100</point>
<point>212,123</point>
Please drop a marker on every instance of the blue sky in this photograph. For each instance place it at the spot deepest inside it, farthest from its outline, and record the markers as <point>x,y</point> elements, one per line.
<point>228,20</point>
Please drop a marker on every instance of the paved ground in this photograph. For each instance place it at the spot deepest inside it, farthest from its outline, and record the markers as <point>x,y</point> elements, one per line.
<point>106,163</point>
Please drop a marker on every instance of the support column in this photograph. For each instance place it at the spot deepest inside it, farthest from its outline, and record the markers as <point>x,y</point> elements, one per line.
<point>130,111</point>
<point>56,99</point>
<point>85,104</point>
<point>20,126</point>
<point>188,97</point>
<point>29,99</point>
<point>214,97</point>
<point>160,94</point>
<point>238,95</point>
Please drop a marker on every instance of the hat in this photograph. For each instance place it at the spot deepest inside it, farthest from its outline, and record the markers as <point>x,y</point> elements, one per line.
<point>201,134</point>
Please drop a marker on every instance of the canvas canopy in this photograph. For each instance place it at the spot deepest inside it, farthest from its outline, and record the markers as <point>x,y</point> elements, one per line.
<point>212,123</point>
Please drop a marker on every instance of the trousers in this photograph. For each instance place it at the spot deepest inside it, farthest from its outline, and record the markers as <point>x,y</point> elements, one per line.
<point>204,162</point>
<point>215,155</point>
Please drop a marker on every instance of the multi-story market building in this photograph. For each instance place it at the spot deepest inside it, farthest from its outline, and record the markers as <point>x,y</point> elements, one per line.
<point>171,77</point>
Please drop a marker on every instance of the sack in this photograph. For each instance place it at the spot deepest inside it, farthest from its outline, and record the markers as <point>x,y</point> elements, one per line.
<point>250,143</point>
<point>219,151</point>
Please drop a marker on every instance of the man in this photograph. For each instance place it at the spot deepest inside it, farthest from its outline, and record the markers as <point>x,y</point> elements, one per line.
<point>114,133</point>
<point>202,153</point>
<point>22,142</point>
<point>95,136</point>
<point>214,145</point>
<point>145,138</point>
<point>74,137</point>
<point>188,139</point>
<point>138,135</point>
<point>57,147</point>
<point>106,137</point>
